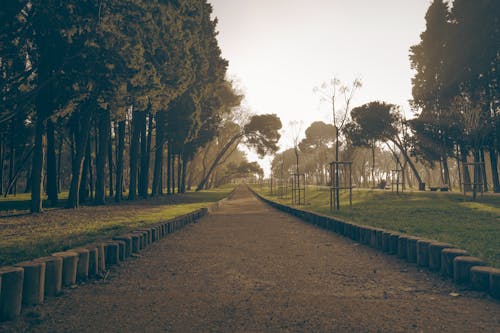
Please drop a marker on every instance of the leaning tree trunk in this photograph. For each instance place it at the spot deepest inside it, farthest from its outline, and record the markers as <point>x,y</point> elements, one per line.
<point>483,170</point>
<point>410,162</point>
<point>51,164</point>
<point>119,160</point>
<point>103,135</point>
<point>234,140</point>
<point>1,162</point>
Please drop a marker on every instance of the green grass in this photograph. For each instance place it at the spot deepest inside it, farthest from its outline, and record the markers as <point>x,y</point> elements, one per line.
<point>31,236</point>
<point>447,217</point>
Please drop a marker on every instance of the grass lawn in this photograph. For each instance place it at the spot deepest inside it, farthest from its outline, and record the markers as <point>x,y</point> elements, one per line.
<point>447,217</point>
<point>28,236</point>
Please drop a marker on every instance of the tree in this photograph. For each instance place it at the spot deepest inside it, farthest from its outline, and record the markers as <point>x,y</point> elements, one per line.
<point>260,133</point>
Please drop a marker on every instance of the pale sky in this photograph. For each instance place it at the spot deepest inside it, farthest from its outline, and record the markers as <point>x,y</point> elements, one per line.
<point>279,50</point>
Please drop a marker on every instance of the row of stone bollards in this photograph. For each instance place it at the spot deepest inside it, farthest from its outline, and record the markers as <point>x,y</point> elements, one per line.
<point>29,283</point>
<point>443,258</point>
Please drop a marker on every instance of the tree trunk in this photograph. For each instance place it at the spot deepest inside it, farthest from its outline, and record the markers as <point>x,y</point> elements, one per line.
<point>373,164</point>
<point>410,162</point>
<point>466,174</point>
<point>119,160</point>
<point>169,169</point>
<point>59,162</point>
<point>158,166</point>
<point>81,135</point>
<point>446,172</point>
<point>102,151</point>
<point>51,164</point>
<point>12,157</point>
<point>494,169</point>
<point>145,153</point>
<point>183,174</point>
<point>110,158</point>
<point>483,170</point>
<point>233,140</point>
<point>173,173</point>
<point>37,165</point>
<point>1,162</point>
<point>84,181</point>
<point>134,154</point>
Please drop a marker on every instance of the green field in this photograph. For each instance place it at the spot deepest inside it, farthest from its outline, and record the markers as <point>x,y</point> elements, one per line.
<point>447,217</point>
<point>29,236</point>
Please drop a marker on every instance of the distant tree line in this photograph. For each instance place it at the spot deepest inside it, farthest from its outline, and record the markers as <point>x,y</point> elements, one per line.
<point>456,99</point>
<point>113,98</point>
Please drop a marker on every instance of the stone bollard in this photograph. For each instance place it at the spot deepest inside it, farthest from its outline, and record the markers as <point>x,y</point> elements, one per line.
<point>34,282</point>
<point>11,292</point>
<point>462,266</point>
<point>423,252</point>
<point>393,242</point>
<point>82,268</point>
<point>154,234</point>
<point>143,237</point>
<point>53,275</point>
<point>93,261</point>
<point>480,277</point>
<point>447,257</point>
<point>402,246</point>
<point>112,250</point>
<point>495,283</point>
<point>127,239</point>
<point>411,248</point>
<point>435,249</point>
<point>69,267</point>
<point>136,242</point>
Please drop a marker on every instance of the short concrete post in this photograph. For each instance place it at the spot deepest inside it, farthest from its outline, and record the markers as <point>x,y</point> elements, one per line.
<point>480,277</point>
<point>11,292</point>
<point>101,252</point>
<point>435,249</point>
<point>93,261</point>
<point>34,282</point>
<point>136,242</point>
<point>112,250</point>
<point>393,242</point>
<point>402,246</point>
<point>495,283</point>
<point>447,257</point>
<point>379,234</point>
<point>127,239</point>
<point>53,275</point>
<point>121,249</point>
<point>423,252</point>
<point>69,267</point>
<point>373,238</point>
<point>82,268</point>
<point>462,266</point>
<point>411,248</point>
<point>385,241</point>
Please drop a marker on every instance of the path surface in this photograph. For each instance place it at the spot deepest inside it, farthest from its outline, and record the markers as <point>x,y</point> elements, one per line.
<point>250,268</point>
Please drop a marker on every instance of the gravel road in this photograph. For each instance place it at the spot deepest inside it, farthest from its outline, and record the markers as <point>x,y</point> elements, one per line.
<point>250,268</point>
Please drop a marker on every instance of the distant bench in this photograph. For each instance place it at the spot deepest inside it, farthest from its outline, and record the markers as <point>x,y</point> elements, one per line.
<point>437,188</point>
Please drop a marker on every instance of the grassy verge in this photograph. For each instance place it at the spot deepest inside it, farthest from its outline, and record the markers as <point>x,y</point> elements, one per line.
<point>447,217</point>
<point>30,236</point>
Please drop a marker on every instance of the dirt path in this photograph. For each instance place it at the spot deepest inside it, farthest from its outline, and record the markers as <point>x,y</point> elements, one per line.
<point>250,268</point>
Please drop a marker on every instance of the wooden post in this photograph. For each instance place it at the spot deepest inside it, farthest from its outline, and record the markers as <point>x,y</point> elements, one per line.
<point>423,252</point>
<point>82,268</point>
<point>34,282</point>
<point>447,257</point>
<point>11,293</point>
<point>69,267</point>
<point>435,249</point>
<point>93,261</point>
<point>53,275</point>
<point>462,266</point>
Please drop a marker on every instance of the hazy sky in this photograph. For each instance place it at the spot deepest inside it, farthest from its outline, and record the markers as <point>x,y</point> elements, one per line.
<point>280,50</point>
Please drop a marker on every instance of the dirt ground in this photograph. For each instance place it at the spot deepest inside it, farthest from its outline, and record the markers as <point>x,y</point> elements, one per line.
<point>250,268</point>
